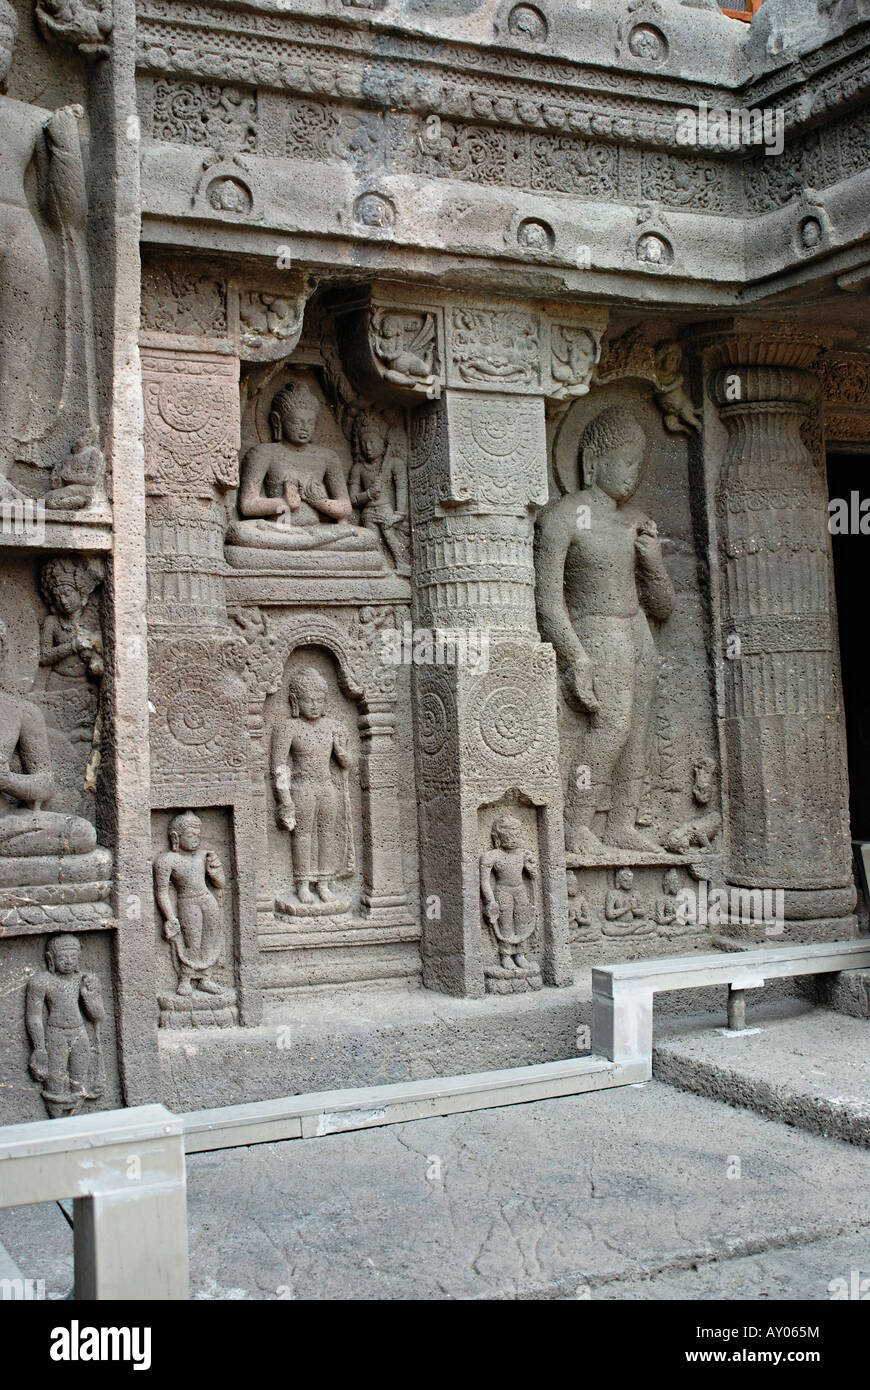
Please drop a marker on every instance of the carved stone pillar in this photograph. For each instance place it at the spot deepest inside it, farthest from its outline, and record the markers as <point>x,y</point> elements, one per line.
<point>782,720</point>
<point>485,725</point>
<point>191,459</point>
<point>475,378</point>
<point>384,897</point>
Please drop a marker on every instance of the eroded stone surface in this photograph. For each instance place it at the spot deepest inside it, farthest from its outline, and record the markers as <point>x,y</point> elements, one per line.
<point>412,471</point>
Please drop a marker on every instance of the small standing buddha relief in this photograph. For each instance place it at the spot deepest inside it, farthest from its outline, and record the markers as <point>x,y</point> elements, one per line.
<point>64,1010</point>
<point>311,759</point>
<point>508,874</point>
<point>293,495</point>
<point>185,876</point>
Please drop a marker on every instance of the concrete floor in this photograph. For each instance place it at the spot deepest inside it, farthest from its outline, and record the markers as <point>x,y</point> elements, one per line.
<point>641,1193</point>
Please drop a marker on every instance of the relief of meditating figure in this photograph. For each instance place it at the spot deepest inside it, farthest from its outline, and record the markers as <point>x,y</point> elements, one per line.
<point>670,913</point>
<point>625,914</point>
<point>310,758</point>
<point>600,577</point>
<point>26,783</point>
<point>293,493</point>
<point>50,141</point>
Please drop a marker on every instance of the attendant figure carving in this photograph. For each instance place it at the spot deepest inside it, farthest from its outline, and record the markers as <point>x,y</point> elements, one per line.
<point>26,783</point>
<point>192,923</point>
<point>67,647</point>
<point>507,876</point>
<point>580,924</point>
<point>67,1055</point>
<point>378,487</point>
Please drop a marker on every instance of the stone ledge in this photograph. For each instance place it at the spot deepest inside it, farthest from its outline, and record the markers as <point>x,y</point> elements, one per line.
<point>797,1064</point>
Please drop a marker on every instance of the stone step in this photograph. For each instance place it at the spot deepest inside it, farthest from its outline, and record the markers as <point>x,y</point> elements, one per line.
<point>799,1064</point>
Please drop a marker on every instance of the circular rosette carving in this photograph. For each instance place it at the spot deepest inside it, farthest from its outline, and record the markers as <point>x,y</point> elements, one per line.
<point>200,706</point>
<point>508,724</point>
<point>191,434</point>
<point>435,721</point>
<point>507,717</point>
<point>501,452</point>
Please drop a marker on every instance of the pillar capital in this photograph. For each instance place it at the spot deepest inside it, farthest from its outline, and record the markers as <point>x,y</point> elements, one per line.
<point>406,346</point>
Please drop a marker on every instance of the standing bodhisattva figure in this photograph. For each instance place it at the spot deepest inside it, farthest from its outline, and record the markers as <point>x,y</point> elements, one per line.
<point>509,905</point>
<point>193,922</point>
<point>60,1003</point>
<point>50,142</point>
<point>600,577</point>
<point>312,808</point>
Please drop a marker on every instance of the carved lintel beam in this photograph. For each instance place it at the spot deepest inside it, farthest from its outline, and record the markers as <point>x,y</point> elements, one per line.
<point>391,352</point>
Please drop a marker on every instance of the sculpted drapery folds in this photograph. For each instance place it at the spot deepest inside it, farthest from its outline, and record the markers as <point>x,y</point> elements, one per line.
<point>49,141</point>
<point>63,1013</point>
<point>600,577</point>
<point>313,803</point>
<point>192,920</point>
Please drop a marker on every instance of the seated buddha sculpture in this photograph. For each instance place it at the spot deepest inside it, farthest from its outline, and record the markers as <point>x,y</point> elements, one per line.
<point>293,493</point>
<point>26,784</point>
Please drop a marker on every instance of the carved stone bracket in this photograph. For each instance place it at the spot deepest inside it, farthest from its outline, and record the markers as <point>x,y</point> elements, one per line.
<point>391,352</point>
<point>630,355</point>
<point>266,323</point>
<point>86,26</point>
<point>845,383</point>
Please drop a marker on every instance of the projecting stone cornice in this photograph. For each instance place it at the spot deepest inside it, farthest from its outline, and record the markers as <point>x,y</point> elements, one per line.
<point>354,52</point>
<point>329,132</point>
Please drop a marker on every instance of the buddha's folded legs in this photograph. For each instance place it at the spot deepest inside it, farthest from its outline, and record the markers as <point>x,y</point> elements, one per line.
<point>29,833</point>
<point>270,535</point>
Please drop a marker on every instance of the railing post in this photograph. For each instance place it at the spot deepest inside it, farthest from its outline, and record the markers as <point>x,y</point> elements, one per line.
<point>736,1009</point>
<point>130,1243</point>
<point>125,1170</point>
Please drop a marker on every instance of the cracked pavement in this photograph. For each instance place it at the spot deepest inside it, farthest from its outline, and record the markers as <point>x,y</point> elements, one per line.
<point>644,1192</point>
